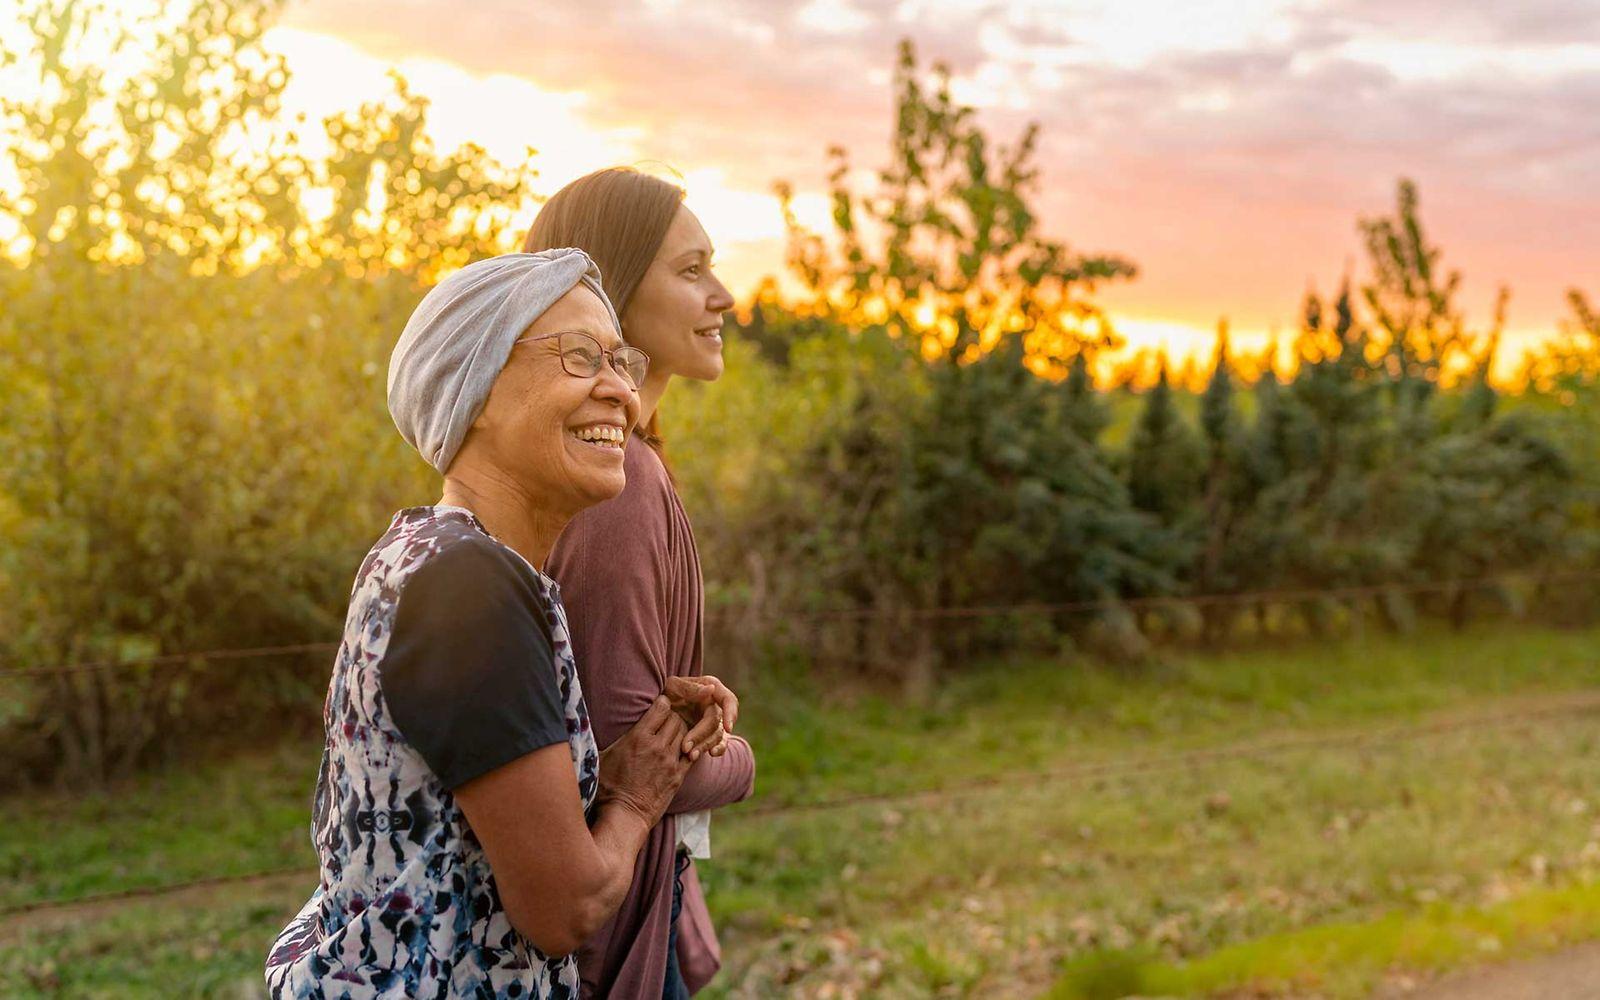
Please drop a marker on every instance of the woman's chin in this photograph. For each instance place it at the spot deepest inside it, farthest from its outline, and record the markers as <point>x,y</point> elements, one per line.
<point>707,358</point>
<point>600,487</point>
<point>596,471</point>
<point>708,370</point>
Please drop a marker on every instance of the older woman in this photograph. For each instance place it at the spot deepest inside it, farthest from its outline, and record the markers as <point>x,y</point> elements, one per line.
<point>470,833</point>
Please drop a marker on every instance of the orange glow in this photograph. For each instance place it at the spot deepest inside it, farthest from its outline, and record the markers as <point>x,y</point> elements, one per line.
<point>1158,314</point>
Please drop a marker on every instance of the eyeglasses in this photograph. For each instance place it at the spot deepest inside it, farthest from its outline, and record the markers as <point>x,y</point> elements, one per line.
<point>581,355</point>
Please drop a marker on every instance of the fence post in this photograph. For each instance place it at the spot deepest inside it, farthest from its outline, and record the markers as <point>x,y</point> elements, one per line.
<point>918,676</point>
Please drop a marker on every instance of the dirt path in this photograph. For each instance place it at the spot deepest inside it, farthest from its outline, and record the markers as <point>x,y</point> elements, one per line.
<point>17,925</point>
<point>1573,974</point>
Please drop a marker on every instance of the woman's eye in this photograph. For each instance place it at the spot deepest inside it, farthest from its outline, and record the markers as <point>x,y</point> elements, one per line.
<point>693,270</point>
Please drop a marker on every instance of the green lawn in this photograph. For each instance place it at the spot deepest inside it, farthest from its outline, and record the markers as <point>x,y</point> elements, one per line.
<point>1080,885</point>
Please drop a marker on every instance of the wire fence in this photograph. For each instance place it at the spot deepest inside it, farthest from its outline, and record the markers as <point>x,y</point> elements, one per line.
<point>726,616</point>
<point>1574,705</point>
<point>1248,597</point>
<point>168,660</point>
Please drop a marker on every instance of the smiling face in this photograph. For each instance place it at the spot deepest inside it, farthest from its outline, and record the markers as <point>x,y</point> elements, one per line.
<point>675,315</point>
<point>557,438</point>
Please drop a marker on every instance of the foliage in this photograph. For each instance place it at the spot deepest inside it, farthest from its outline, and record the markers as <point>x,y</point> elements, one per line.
<point>193,362</point>
<point>1165,458</point>
<point>1384,457</point>
<point>908,466</point>
<point>958,475</point>
<point>1571,360</point>
<point>944,251</point>
<point>1423,334</point>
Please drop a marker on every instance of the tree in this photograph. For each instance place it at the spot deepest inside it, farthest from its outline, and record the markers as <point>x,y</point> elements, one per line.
<point>945,252</point>
<point>1274,472</point>
<point>1082,408</point>
<point>1165,459</point>
<point>191,396</point>
<point>1225,489</point>
<point>1424,335</point>
<point>190,158</point>
<point>1000,492</point>
<point>1571,360</point>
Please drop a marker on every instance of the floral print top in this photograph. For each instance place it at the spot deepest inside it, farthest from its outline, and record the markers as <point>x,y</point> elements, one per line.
<point>456,641</point>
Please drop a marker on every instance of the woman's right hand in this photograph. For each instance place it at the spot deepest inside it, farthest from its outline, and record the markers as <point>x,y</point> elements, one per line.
<point>643,769</point>
<point>709,708</point>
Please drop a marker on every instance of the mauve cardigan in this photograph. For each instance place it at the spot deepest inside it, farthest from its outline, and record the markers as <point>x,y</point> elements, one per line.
<point>630,581</point>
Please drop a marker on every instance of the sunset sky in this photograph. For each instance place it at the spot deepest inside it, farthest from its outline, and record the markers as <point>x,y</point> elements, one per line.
<point>1227,148</point>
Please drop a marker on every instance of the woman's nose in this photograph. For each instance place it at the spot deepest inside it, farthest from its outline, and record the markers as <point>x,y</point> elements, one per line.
<point>721,300</point>
<point>609,385</point>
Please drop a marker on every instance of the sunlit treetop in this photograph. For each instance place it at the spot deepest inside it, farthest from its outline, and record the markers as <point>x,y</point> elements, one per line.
<point>158,131</point>
<point>944,251</point>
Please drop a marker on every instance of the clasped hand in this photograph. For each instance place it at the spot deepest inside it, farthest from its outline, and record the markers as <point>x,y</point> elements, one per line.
<point>692,715</point>
<point>708,708</point>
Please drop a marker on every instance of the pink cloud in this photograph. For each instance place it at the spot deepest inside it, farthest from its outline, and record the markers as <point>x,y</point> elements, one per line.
<point>1231,176</point>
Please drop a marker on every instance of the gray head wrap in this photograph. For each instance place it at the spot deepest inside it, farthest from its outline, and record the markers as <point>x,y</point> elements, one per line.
<point>457,341</point>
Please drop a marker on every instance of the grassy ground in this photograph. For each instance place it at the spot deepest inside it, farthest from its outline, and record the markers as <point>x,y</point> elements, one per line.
<point>1347,958</point>
<point>1211,877</point>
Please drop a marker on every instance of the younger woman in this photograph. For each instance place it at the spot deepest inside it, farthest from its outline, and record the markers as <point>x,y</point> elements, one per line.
<point>630,573</point>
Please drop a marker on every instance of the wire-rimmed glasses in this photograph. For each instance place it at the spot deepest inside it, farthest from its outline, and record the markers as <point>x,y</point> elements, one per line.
<point>582,355</point>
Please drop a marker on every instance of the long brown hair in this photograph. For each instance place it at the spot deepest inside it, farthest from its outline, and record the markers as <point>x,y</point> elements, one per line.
<point>618,216</point>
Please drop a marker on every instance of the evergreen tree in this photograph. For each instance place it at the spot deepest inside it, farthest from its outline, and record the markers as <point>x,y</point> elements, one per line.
<point>1225,485</point>
<point>1268,451</point>
<point>1282,438</point>
<point>1278,450</point>
<point>1015,507</point>
<point>1165,459</point>
<point>1082,408</point>
<point>1218,419</point>
<point>1335,388</point>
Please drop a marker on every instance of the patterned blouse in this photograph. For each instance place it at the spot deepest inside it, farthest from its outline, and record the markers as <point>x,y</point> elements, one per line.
<point>455,660</point>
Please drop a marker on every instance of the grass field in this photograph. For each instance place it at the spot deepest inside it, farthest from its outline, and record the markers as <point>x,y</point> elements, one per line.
<point>1317,867</point>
